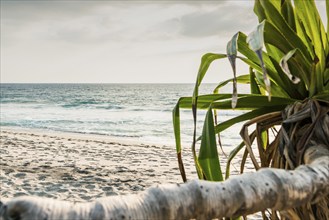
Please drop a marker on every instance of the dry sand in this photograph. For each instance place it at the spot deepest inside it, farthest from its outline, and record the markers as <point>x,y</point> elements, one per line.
<point>81,168</point>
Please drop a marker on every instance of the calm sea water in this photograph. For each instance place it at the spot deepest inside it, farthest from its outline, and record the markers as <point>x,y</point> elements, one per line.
<point>141,112</point>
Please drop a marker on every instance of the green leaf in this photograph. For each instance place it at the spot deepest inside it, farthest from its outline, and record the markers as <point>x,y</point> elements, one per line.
<point>206,60</point>
<point>223,101</point>
<point>259,11</point>
<point>264,138</point>
<point>203,101</point>
<point>326,77</point>
<point>231,51</point>
<point>208,155</point>
<point>252,60</point>
<point>305,38</point>
<point>243,79</point>
<point>296,91</point>
<point>246,116</point>
<point>256,41</point>
<point>176,124</point>
<point>274,37</point>
<point>274,16</point>
<point>327,10</point>
<point>231,156</point>
<point>275,89</point>
<point>277,46</point>
<point>253,101</point>
<point>287,11</point>
<point>309,16</point>
<point>254,88</point>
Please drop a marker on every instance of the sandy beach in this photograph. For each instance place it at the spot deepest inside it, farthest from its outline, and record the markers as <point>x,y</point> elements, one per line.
<point>78,168</point>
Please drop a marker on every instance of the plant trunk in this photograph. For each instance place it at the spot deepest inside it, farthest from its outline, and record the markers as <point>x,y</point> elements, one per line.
<point>240,195</point>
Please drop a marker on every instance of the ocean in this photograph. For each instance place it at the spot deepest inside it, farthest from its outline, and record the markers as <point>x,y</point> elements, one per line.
<point>137,112</point>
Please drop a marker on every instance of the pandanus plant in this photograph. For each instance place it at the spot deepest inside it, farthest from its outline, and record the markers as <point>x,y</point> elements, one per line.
<point>288,59</point>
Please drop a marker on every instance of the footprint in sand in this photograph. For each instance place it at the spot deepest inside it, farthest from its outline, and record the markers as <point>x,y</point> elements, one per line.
<point>20,175</point>
<point>42,177</point>
<point>20,194</point>
<point>27,188</point>
<point>90,186</point>
<point>8,171</point>
<point>107,188</point>
<point>84,197</point>
<point>81,171</point>
<point>98,179</point>
<point>111,193</point>
<point>63,190</point>
<point>42,194</point>
<point>137,188</point>
<point>121,169</point>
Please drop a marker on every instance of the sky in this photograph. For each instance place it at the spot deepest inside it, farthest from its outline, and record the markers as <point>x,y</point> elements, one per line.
<point>58,41</point>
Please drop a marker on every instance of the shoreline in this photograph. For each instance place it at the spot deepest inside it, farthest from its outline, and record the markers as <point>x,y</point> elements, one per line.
<point>85,136</point>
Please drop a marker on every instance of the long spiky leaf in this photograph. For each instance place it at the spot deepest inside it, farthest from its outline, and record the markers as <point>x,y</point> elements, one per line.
<point>231,51</point>
<point>256,41</point>
<point>208,156</point>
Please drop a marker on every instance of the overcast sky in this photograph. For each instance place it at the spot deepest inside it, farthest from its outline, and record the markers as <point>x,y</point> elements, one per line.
<point>118,41</point>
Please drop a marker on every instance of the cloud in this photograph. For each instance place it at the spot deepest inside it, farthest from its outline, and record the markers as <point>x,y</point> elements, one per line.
<point>30,11</point>
<point>219,21</point>
<point>86,41</point>
<point>203,20</point>
<point>100,21</point>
